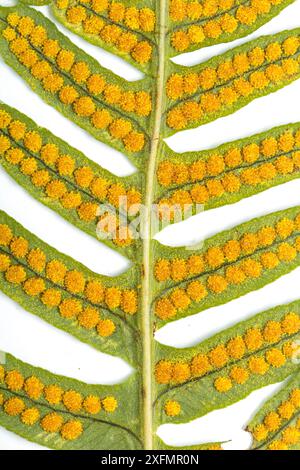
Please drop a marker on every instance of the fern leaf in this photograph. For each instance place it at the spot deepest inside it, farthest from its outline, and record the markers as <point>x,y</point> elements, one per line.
<point>65,180</point>
<point>276,424</point>
<point>195,181</point>
<point>108,107</point>
<point>122,28</point>
<point>119,315</point>
<point>197,24</point>
<point>66,414</point>
<point>37,3</point>
<point>222,85</point>
<point>98,310</point>
<point>228,366</point>
<point>230,264</point>
<point>208,446</point>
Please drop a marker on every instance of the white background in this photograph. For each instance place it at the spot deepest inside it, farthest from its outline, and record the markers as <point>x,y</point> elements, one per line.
<point>36,342</point>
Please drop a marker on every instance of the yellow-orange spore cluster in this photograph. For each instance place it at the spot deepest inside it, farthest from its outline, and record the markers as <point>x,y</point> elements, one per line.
<point>256,351</point>
<point>281,427</point>
<point>76,86</point>
<point>211,20</point>
<point>113,23</point>
<point>48,278</point>
<point>60,178</point>
<point>216,89</point>
<point>221,267</point>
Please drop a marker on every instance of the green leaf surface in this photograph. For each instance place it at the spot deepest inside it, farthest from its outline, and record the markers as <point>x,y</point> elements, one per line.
<point>225,94</point>
<point>198,395</point>
<point>103,430</point>
<point>127,27</point>
<point>52,96</point>
<point>217,276</point>
<point>276,424</point>
<point>87,194</point>
<point>228,173</point>
<point>125,340</point>
<point>209,446</point>
<point>37,2</point>
<point>217,24</point>
<point>120,315</point>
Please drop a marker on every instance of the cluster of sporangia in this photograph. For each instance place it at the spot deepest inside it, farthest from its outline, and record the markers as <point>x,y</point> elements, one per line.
<point>253,347</point>
<point>250,257</point>
<point>57,175</point>
<point>215,89</point>
<point>33,389</point>
<point>71,80</point>
<point>281,419</point>
<point>226,171</point>
<point>210,19</point>
<point>113,23</point>
<point>65,290</point>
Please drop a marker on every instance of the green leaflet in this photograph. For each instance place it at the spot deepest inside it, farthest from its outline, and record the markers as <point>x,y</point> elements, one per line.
<point>198,369</point>
<point>71,297</point>
<point>276,424</point>
<point>228,173</point>
<point>37,2</point>
<point>200,24</point>
<point>118,315</point>
<point>101,430</point>
<point>229,265</point>
<point>93,106</point>
<point>126,30</point>
<point>64,179</point>
<point>226,83</point>
<point>209,446</point>
<point>190,28</point>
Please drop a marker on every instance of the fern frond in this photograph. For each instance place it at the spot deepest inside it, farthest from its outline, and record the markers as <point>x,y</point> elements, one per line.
<point>113,110</point>
<point>209,446</point>
<point>127,30</point>
<point>222,85</point>
<point>63,413</point>
<point>97,310</point>
<point>197,181</point>
<point>230,264</point>
<point>68,182</point>
<point>228,366</point>
<point>276,425</point>
<point>119,315</point>
<point>197,24</point>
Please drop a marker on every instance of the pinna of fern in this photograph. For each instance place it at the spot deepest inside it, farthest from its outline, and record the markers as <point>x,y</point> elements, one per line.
<point>119,315</point>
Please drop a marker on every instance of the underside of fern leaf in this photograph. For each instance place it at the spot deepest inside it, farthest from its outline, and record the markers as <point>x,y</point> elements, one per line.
<point>118,315</point>
<point>276,425</point>
<point>66,414</point>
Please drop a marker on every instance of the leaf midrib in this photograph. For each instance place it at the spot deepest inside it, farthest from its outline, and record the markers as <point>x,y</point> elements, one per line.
<point>147,321</point>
